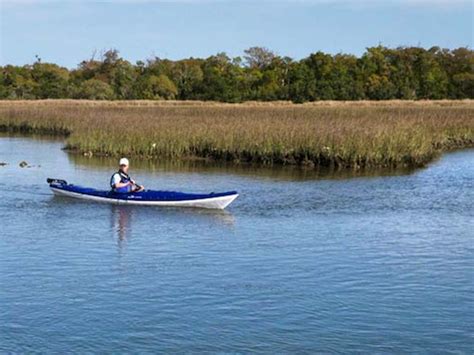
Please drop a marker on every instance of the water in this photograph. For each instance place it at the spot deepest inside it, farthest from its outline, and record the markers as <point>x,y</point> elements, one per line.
<point>299,263</point>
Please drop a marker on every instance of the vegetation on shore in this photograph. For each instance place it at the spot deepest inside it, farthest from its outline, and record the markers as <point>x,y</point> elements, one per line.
<point>334,134</point>
<point>381,73</point>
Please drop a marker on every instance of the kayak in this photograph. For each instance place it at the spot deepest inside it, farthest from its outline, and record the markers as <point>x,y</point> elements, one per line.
<point>147,197</point>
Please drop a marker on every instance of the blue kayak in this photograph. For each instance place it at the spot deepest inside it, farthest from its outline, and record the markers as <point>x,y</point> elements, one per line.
<point>147,197</point>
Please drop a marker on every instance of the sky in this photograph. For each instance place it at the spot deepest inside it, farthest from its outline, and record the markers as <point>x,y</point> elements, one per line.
<point>69,31</point>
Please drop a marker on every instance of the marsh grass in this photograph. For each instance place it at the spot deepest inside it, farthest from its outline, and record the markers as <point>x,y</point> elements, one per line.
<point>335,134</point>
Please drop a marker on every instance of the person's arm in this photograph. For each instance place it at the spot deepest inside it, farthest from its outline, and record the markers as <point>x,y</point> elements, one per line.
<point>118,185</point>
<point>117,182</point>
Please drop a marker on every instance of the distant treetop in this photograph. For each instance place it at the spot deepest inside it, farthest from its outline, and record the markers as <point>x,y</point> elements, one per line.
<point>381,73</point>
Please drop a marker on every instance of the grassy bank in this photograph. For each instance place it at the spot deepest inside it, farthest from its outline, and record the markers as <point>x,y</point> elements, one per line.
<point>341,134</point>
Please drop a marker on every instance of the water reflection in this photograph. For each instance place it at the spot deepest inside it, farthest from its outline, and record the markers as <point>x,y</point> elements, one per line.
<point>37,137</point>
<point>214,217</point>
<point>381,246</point>
<point>121,219</point>
<point>283,173</point>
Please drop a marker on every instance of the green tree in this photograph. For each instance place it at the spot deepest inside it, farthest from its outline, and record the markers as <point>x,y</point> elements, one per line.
<point>188,76</point>
<point>432,79</point>
<point>94,89</point>
<point>122,77</point>
<point>302,82</point>
<point>159,87</point>
<point>463,85</point>
<point>377,69</point>
<point>459,67</point>
<point>380,73</point>
<point>18,82</point>
<point>402,73</point>
<point>222,80</point>
<point>51,81</point>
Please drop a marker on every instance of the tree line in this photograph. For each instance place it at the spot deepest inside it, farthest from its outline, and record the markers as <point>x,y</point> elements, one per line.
<point>381,73</point>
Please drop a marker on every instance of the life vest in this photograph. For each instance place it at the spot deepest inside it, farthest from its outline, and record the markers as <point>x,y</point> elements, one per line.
<point>124,178</point>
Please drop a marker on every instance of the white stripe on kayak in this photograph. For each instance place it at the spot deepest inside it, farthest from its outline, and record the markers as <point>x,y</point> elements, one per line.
<point>220,202</point>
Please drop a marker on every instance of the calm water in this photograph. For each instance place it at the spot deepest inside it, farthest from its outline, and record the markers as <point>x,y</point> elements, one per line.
<point>299,263</point>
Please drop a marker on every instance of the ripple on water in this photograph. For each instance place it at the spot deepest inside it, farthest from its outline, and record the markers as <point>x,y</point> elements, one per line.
<point>369,264</point>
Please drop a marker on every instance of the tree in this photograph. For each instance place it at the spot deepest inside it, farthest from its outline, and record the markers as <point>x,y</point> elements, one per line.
<point>463,85</point>
<point>188,75</point>
<point>377,70</point>
<point>459,67</point>
<point>111,57</point>
<point>159,87</point>
<point>344,78</point>
<point>402,73</point>
<point>321,81</point>
<point>18,82</point>
<point>122,76</point>
<point>51,80</point>
<point>94,89</point>
<point>302,82</point>
<point>258,57</point>
<point>222,81</point>
<point>381,73</point>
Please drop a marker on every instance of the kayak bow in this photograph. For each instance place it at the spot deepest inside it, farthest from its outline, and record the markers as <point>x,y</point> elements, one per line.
<point>147,198</point>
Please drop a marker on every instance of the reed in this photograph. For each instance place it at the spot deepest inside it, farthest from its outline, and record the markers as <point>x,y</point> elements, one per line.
<point>340,134</point>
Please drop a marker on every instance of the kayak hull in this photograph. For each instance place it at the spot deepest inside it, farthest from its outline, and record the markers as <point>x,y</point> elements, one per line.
<point>147,198</point>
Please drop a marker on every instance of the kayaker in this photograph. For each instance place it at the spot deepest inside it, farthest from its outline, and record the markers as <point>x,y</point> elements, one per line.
<point>121,182</point>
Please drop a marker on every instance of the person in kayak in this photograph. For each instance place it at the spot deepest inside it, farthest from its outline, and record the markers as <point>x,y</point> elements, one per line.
<point>121,182</point>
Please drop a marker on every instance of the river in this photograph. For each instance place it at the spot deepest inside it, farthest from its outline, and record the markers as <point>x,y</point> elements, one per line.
<point>300,262</point>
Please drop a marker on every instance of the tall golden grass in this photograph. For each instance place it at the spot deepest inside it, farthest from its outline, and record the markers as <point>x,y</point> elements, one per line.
<point>341,134</point>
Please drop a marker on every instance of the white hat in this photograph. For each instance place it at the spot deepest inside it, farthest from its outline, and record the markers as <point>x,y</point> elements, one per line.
<point>124,161</point>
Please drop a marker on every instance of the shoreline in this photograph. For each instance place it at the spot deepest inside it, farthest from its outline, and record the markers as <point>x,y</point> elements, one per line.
<point>31,132</point>
<point>335,135</point>
<point>250,104</point>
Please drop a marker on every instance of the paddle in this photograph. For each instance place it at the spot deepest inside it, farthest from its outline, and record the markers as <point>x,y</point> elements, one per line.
<point>139,188</point>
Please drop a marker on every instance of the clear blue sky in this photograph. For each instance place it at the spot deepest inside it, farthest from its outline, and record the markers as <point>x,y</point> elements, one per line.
<point>68,31</point>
